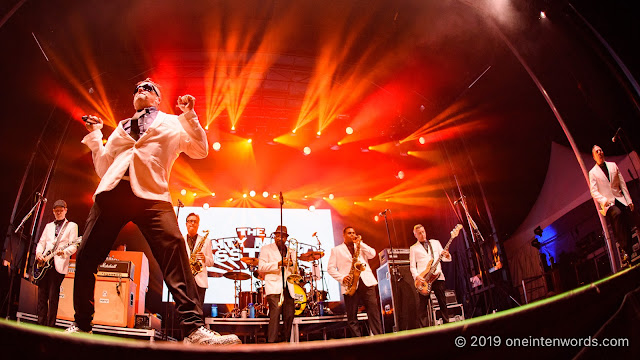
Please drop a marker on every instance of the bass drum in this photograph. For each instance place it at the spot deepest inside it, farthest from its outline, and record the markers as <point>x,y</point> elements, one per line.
<point>299,301</point>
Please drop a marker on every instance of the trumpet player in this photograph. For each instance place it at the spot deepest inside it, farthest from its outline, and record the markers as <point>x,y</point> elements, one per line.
<point>276,264</point>
<point>346,262</point>
<point>204,255</point>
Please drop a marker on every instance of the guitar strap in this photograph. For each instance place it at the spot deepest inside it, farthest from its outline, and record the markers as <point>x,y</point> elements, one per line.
<point>428,242</point>
<point>64,226</point>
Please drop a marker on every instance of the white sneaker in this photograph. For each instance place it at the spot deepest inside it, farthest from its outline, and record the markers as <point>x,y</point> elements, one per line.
<point>74,329</point>
<point>204,336</point>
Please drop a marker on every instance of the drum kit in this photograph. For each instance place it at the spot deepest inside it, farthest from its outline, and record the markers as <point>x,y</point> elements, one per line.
<point>309,299</point>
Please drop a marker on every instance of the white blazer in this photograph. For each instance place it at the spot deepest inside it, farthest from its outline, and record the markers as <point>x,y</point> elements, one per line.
<point>419,258</point>
<point>268,265</point>
<point>340,264</point>
<point>149,159</point>
<point>605,191</point>
<point>202,279</point>
<point>48,240</point>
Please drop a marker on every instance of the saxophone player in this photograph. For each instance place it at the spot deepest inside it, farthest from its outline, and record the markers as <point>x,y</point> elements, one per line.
<point>346,262</point>
<point>204,256</point>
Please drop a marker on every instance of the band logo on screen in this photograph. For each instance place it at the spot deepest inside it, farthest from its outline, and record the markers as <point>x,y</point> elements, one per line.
<point>227,252</point>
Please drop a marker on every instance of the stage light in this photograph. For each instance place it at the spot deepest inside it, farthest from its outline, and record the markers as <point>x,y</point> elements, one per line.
<point>206,127</point>
<point>213,194</point>
<point>339,143</point>
<point>252,193</point>
<point>422,140</point>
<point>205,206</point>
<point>194,194</point>
<point>370,148</point>
<point>307,150</point>
<point>319,133</point>
<point>543,15</point>
<point>349,130</point>
<point>274,196</point>
<point>355,203</point>
<point>400,174</point>
<point>370,199</point>
<point>249,141</point>
<point>376,218</point>
<point>265,194</point>
<point>312,208</point>
<point>233,128</point>
<point>244,196</point>
<point>387,200</point>
<point>216,146</point>
<point>230,199</point>
<point>293,131</point>
<point>183,192</point>
<point>331,196</point>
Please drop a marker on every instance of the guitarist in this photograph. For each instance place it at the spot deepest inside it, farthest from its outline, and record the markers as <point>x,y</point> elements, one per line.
<point>57,235</point>
<point>609,190</point>
<point>205,255</point>
<point>420,254</point>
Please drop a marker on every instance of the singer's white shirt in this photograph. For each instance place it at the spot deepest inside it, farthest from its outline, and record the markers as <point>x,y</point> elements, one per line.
<point>149,159</point>
<point>605,191</point>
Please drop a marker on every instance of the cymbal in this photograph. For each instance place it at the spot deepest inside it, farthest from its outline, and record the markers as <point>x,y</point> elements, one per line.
<point>214,274</point>
<point>250,261</point>
<point>237,275</point>
<point>311,255</point>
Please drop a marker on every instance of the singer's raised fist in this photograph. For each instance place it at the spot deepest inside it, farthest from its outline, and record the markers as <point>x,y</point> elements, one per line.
<point>93,123</point>
<point>186,102</point>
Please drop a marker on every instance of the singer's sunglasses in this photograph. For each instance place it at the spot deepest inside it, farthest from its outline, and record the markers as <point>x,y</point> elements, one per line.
<point>146,87</point>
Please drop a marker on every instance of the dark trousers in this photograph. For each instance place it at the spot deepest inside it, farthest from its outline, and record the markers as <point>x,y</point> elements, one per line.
<point>48,297</point>
<point>619,216</point>
<point>201,293</point>
<point>438,288</point>
<point>365,295</point>
<point>111,211</point>
<point>288,311</point>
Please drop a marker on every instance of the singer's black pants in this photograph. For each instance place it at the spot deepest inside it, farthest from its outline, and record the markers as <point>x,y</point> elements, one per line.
<point>619,216</point>
<point>438,288</point>
<point>365,295</point>
<point>288,311</point>
<point>111,211</point>
<point>48,297</point>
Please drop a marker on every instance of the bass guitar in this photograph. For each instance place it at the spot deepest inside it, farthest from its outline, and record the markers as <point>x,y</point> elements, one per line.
<point>429,274</point>
<point>40,267</point>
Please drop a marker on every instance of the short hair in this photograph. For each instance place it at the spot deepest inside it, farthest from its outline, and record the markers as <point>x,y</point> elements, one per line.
<point>194,214</point>
<point>594,147</point>
<point>417,226</point>
<point>344,231</point>
<point>155,85</point>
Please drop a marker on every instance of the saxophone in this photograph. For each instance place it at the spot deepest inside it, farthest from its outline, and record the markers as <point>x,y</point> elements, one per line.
<point>196,265</point>
<point>356,268</point>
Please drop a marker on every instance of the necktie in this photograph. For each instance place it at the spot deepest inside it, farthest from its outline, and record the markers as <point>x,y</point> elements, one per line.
<point>135,129</point>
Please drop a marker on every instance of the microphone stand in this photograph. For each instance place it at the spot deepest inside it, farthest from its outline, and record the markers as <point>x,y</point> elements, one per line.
<point>392,270</point>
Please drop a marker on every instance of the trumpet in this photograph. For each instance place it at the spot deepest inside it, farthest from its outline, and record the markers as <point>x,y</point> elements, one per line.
<point>291,264</point>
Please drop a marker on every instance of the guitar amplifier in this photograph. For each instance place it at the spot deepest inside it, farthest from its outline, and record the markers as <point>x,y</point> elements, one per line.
<point>400,256</point>
<point>116,268</point>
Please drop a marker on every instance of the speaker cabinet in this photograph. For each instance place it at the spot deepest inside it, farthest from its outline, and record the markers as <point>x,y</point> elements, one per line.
<point>114,301</point>
<point>401,298</point>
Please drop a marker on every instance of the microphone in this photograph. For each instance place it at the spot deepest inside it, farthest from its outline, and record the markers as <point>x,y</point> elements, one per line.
<point>459,200</point>
<point>383,212</point>
<point>615,136</point>
<point>281,199</point>
<point>314,234</point>
<point>44,199</point>
<point>86,119</point>
<point>180,204</point>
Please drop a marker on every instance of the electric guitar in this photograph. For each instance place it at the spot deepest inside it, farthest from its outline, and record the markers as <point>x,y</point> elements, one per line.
<point>429,274</point>
<point>40,267</point>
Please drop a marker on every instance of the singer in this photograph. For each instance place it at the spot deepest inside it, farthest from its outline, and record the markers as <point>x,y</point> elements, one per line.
<point>609,190</point>
<point>134,167</point>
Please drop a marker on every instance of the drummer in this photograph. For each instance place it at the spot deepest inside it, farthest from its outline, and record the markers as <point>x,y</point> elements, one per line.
<point>274,263</point>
